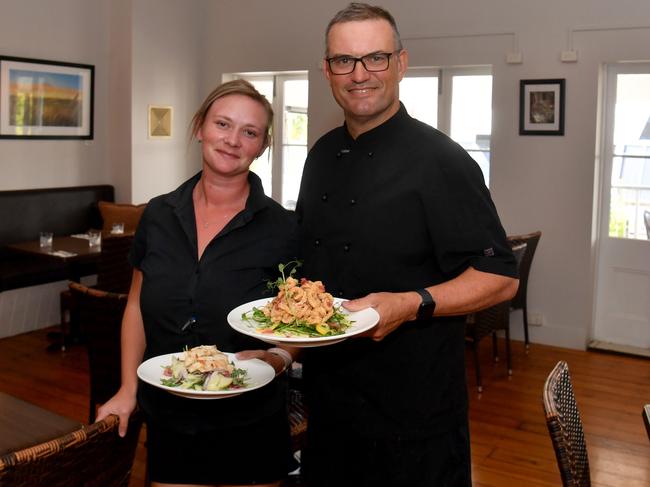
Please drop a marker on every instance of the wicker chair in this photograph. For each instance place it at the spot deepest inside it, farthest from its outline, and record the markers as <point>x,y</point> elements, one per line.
<point>487,322</point>
<point>100,317</point>
<point>519,301</point>
<point>91,456</point>
<point>646,418</point>
<point>565,427</point>
<point>114,274</point>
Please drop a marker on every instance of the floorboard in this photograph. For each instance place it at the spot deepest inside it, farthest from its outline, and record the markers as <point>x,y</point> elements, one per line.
<point>510,442</point>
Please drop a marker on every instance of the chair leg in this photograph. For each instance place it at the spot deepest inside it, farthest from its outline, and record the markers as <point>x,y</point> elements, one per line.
<point>63,305</point>
<point>477,365</point>
<point>526,340</point>
<point>508,356</point>
<point>495,347</point>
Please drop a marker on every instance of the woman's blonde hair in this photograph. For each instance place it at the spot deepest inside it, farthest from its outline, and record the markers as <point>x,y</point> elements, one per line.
<point>235,87</point>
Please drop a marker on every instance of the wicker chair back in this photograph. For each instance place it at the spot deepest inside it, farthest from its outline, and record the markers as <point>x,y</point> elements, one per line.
<point>565,427</point>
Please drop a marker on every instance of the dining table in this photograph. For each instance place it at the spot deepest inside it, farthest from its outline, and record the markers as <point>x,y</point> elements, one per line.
<point>76,254</point>
<point>23,424</point>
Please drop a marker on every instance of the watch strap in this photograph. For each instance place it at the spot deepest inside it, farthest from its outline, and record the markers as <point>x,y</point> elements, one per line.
<point>427,306</point>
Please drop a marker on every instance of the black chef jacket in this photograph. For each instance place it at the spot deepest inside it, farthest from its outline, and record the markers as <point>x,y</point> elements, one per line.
<point>399,208</point>
<point>234,269</point>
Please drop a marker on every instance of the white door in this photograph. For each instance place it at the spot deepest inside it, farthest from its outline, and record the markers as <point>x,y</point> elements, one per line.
<point>622,309</point>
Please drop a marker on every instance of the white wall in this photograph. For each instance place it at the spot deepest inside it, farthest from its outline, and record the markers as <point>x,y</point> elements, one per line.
<point>167,69</point>
<point>65,30</point>
<point>537,182</point>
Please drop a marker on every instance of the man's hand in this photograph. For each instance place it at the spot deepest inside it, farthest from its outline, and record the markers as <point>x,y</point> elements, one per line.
<point>393,308</point>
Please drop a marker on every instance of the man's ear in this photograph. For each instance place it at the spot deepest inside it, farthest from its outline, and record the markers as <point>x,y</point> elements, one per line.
<point>326,70</point>
<point>402,63</point>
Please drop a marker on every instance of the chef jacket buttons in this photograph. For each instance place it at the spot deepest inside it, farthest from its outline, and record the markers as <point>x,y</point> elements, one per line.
<point>370,154</point>
<point>317,242</point>
<point>346,247</point>
<point>353,201</point>
<point>324,197</point>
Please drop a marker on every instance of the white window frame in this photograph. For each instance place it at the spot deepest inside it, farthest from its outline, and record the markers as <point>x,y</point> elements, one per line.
<point>277,132</point>
<point>445,94</point>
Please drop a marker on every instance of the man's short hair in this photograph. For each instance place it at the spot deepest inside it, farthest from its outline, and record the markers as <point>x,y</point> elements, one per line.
<point>357,11</point>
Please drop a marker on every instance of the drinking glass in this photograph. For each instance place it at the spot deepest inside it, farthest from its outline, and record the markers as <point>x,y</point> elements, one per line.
<point>45,239</point>
<point>117,228</point>
<point>94,238</point>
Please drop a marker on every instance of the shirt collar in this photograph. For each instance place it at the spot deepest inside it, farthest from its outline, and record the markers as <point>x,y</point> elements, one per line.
<point>381,132</point>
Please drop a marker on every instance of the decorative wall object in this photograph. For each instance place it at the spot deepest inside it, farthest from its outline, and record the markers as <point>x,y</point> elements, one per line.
<point>541,106</point>
<point>160,122</point>
<point>45,99</point>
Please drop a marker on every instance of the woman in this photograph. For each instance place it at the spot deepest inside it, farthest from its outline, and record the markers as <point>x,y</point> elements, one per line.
<point>199,251</point>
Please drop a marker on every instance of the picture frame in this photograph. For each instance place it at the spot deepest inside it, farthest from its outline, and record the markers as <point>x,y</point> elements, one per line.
<point>42,99</point>
<point>541,106</point>
<point>160,122</point>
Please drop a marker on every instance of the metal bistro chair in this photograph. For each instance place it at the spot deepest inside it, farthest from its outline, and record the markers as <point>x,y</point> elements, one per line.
<point>519,301</point>
<point>91,456</point>
<point>100,317</point>
<point>565,427</point>
<point>646,418</point>
<point>487,322</point>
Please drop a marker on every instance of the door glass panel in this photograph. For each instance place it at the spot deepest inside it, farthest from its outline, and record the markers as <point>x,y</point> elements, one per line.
<point>630,180</point>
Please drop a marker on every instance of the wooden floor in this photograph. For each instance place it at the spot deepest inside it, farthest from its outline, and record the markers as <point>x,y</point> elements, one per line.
<point>510,443</point>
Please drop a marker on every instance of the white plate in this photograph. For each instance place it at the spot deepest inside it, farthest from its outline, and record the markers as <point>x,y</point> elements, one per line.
<point>363,320</point>
<point>259,374</point>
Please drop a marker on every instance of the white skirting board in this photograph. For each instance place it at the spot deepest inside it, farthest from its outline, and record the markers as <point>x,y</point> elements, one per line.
<point>32,308</point>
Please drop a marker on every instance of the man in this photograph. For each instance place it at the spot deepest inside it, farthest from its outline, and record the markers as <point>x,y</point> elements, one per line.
<point>396,216</point>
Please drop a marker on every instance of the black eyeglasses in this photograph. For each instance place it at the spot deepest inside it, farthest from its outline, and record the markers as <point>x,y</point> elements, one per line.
<point>373,62</point>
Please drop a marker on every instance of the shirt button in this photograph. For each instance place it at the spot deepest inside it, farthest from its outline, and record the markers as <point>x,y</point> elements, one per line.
<point>324,197</point>
<point>370,154</point>
<point>317,242</point>
<point>346,247</point>
<point>353,201</point>
<point>340,293</point>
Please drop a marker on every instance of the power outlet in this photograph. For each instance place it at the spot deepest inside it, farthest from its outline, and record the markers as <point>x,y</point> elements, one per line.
<point>535,319</point>
<point>569,56</point>
<point>514,58</point>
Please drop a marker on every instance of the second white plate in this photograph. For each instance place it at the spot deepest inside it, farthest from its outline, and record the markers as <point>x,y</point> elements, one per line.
<point>259,374</point>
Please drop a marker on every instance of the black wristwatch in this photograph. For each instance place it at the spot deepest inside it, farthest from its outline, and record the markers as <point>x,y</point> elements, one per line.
<point>427,306</point>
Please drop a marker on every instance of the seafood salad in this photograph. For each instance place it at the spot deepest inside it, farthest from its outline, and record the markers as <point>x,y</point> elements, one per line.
<point>301,308</point>
<point>203,368</point>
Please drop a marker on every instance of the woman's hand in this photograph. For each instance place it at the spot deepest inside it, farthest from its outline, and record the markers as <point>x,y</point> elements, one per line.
<point>122,404</point>
<point>275,360</point>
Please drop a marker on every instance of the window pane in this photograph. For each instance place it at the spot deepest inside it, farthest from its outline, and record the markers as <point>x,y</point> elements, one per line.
<point>471,111</point>
<point>293,160</point>
<point>471,117</point>
<point>262,167</point>
<point>420,97</point>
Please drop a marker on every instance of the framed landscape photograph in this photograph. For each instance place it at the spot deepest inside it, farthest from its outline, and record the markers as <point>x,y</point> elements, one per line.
<point>541,106</point>
<point>45,99</point>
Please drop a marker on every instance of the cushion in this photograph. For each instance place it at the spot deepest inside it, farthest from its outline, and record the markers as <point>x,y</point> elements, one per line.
<point>120,213</point>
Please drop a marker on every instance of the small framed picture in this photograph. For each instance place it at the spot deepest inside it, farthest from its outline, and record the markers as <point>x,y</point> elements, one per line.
<point>45,99</point>
<point>541,106</point>
<point>160,122</point>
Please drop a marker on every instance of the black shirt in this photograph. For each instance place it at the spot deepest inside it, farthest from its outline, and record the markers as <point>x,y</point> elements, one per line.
<point>233,269</point>
<point>399,208</point>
